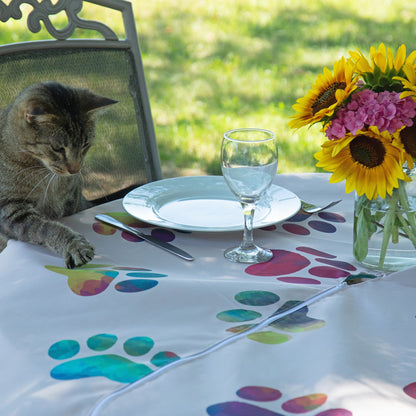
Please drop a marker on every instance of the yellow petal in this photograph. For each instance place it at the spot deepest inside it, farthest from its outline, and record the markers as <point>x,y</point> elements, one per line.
<point>412,56</point>
<point>371,184</point>
<point>379,58</point>
<point>410,72</point>
<point>390,58</point>
<point>351,183</point>
<point>408,94</point>
<point>400,57</point>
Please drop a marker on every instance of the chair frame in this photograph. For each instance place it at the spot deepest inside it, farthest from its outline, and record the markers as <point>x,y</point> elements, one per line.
<point>41,12</point>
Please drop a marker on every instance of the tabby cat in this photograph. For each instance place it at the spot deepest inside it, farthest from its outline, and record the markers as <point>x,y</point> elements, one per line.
<point>44,136</point>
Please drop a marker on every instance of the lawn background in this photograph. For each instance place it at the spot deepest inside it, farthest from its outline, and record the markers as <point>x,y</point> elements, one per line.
<point>215,65</point>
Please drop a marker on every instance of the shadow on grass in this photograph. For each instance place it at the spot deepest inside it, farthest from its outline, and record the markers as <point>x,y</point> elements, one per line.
<point>248,68</point>
<point>285,37</point>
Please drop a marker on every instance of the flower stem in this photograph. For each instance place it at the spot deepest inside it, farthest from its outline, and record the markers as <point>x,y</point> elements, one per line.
<point>410,228</point>
<point>388,226</point>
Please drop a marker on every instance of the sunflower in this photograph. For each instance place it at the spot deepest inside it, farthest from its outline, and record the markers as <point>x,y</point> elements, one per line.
<point>409,83</point>
<point>369,161</point>
<point>381,58</point>
<point>407,139</point>
<point>328,92</point>
<point>383,69</point>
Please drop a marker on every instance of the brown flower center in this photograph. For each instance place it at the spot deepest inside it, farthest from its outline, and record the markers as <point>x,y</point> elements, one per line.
<point>367,151</point>
<point>408,138</point>
<point>327,97</point>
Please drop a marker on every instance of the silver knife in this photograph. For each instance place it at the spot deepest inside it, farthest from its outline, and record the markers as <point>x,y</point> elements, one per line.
<point>149,238</point>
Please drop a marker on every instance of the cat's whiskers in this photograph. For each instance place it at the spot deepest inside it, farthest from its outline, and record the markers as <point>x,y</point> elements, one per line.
<point>30,168</point>
<point>43,142</point>
<point>39,182</point>
<point>54,175</point>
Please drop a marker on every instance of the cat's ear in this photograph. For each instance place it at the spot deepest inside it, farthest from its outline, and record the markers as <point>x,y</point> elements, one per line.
<point>95,103</point>
<point>37,114</point>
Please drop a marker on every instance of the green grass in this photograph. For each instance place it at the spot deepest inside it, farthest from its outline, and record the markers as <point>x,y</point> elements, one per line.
<point>215,65</point>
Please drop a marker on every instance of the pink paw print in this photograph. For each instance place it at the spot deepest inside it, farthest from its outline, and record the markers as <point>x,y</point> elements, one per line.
<point>410,390</point>
<point>306,265</point>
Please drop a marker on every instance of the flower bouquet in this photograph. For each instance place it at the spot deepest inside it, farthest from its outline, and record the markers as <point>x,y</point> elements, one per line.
<point>367,109</point>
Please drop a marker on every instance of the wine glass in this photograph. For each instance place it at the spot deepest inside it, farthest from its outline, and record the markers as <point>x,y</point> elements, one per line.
<point>249,164</point>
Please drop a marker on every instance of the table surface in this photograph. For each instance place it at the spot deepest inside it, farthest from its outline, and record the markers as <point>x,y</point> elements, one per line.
<point>140,331</point>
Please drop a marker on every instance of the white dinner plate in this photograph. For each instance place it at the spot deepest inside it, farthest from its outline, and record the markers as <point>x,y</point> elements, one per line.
<point>204,203</point>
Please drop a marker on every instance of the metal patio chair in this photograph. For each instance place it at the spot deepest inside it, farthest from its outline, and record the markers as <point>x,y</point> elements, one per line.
<point>88,54</point>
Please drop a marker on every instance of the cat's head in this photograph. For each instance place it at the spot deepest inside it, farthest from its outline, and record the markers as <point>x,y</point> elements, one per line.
<point>56,124</point>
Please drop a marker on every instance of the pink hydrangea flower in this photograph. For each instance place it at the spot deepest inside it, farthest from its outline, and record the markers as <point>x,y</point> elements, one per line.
<point>385,110</point>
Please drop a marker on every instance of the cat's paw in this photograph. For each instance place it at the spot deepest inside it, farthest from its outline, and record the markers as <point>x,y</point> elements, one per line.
<point>78,252</point>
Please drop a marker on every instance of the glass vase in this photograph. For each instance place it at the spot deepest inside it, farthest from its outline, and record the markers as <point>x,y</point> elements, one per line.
<point>385,229</point>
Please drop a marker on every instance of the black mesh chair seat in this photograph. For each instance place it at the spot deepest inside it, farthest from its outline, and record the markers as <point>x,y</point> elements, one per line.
<point>124,154</point>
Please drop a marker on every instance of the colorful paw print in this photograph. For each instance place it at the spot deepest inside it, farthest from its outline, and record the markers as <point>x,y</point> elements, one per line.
<point>112,366</point>
<point>124,217</point>
<point>292,225</point>
<point>93,279</point>
<point>295,322</point>
<point>286,263</point>
<point>297,405</point>
<point>410,390</point>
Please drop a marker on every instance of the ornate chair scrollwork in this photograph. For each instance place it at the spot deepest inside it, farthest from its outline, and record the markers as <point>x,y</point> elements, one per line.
<point>62,46</point>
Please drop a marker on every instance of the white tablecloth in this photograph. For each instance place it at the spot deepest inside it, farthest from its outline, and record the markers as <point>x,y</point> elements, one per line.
<point>107,339</point>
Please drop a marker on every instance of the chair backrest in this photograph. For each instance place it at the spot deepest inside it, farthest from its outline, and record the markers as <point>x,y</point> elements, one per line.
<point>125,153</point>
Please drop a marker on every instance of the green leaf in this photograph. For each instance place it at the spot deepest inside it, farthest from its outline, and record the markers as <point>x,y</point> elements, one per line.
<point>361,232</point>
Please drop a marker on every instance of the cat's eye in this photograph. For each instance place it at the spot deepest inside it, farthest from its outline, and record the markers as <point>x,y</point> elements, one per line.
<point>86,146</point>
<point>58,149</point>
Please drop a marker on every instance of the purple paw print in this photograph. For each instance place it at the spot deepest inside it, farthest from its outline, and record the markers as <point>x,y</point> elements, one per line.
<point>104,229</point>
<point>303,404</point>
<point>293,225</point>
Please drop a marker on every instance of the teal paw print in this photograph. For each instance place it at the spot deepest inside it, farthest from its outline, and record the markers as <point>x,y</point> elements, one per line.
<point>112,366</point>
<point>295,322</point>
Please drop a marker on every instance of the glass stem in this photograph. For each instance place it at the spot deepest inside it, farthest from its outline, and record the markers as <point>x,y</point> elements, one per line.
<point>248,209</point>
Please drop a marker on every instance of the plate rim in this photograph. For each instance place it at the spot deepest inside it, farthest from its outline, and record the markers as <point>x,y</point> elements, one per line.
<point>160,222</point>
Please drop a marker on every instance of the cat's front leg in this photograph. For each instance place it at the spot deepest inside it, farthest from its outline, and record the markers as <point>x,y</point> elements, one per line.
<point>20,222</point>
<point>72,246</point>
<point>3,242</point>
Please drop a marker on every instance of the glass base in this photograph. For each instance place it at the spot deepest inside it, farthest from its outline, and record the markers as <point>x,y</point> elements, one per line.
<point>254,254</point>
<point>385,230</point>
<point>392,263</point>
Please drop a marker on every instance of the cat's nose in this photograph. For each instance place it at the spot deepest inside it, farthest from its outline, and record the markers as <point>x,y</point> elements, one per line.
<point>73,168</point>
